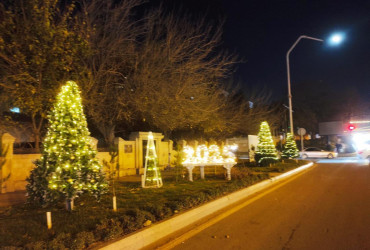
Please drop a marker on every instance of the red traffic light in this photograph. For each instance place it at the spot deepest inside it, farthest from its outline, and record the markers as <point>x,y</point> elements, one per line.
<point>351,127</point>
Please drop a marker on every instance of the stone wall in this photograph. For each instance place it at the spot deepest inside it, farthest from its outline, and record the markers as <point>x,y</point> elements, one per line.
<point>130,155</point>
<point>22,166</point>
<point>126,157</point>
<point>6,163</point>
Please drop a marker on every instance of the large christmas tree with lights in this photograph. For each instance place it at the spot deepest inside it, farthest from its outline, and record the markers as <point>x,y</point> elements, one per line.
<point>290,149</point>
<point>68,166</point>
<point>266,152</point>
<point>152,174</point>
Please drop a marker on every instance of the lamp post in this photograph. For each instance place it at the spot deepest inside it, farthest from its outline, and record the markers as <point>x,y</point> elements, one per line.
<point>288,71</point>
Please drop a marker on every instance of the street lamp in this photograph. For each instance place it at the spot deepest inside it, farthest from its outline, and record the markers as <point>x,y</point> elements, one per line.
<point>336,38</point>
<point>288,71</point>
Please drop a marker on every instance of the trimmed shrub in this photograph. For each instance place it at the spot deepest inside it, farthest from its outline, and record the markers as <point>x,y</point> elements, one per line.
<point>108,229</point>
<point>240,173</point>
<point>62,241</point>
<point>83,240</point>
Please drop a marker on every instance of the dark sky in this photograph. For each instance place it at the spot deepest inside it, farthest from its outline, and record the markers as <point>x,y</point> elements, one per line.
<point>262,32</point>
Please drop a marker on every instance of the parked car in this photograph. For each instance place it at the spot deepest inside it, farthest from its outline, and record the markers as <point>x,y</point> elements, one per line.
<point>317,153</point>
<point>362,145</point>
<point>364,154</point>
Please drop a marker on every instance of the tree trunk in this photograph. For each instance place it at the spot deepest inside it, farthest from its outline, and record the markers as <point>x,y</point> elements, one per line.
<point>167,134</point>
<point>37,141</point>
<point>69,204</point>
<point>36,128</point>
<point>108,133</point>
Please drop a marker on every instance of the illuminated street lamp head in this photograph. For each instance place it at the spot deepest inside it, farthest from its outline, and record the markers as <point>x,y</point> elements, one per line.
<point>336,39</point>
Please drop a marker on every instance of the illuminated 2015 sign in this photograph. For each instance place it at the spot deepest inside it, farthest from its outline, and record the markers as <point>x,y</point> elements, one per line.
<point>209,155</point>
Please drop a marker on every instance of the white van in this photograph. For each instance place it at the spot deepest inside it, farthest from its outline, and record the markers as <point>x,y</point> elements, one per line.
<point>363,150</point>
<point>362,142</point>
<point>364,154</point>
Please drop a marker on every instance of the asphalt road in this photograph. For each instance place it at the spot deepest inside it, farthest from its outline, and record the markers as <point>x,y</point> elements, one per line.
<point>326,208</point>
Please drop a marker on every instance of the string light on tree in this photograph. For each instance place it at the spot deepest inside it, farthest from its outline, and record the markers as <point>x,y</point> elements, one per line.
<point>290,149</point>
<point>68,166</point>
<point>266,152</point>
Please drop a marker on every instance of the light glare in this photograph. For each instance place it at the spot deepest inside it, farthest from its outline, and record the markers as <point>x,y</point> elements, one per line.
<point>361,141</point>
<point>336,39</point>
<point>15,110</point>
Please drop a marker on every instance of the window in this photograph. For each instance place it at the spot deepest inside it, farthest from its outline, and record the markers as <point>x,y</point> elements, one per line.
<point>128,149</point>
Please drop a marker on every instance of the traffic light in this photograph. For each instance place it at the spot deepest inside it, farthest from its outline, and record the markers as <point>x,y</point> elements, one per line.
<point>351,127</point>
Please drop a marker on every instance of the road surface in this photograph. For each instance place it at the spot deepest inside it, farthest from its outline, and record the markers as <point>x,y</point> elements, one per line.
<point>326,208</point>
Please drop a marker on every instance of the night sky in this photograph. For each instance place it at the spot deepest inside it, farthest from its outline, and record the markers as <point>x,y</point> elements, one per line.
<point>261,33</point>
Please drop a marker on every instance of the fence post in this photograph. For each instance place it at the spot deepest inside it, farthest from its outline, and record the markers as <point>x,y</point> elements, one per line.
<point>170,147</point>
<point>120,144</point>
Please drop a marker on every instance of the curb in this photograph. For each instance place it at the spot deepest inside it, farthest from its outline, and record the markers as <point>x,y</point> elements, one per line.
<point>158,231</point>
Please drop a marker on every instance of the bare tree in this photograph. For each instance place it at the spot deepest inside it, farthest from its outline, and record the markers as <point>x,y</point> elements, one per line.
<point>259,109</point>
<point>112,32</point>
<point>160,69</point>
<point>177,77</point>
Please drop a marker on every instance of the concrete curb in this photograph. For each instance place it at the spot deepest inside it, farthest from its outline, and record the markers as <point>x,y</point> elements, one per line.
<point>158,231</point>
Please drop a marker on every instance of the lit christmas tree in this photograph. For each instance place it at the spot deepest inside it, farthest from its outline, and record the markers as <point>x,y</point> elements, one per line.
<point>68,166</point>
<point>152,174</point>
<point>290,149</point>
<point>266,152</point>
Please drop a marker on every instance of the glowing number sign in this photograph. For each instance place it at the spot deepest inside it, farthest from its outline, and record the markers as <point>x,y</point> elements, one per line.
<point>204,155</point>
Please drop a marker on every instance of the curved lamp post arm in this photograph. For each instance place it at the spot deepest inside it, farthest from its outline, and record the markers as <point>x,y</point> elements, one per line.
<point>288,74</point>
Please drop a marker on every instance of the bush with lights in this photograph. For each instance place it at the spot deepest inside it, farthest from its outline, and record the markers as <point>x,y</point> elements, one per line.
<point>266,152</point>
<point>68,166</point>
<point>290,149</point>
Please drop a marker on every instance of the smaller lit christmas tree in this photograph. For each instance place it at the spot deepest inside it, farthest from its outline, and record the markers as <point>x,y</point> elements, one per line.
<point>152,174</point>
<point>266,152</point>
<point>290,149</point>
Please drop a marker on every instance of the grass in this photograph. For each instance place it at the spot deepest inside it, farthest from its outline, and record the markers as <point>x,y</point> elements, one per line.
<point>91,221</point>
